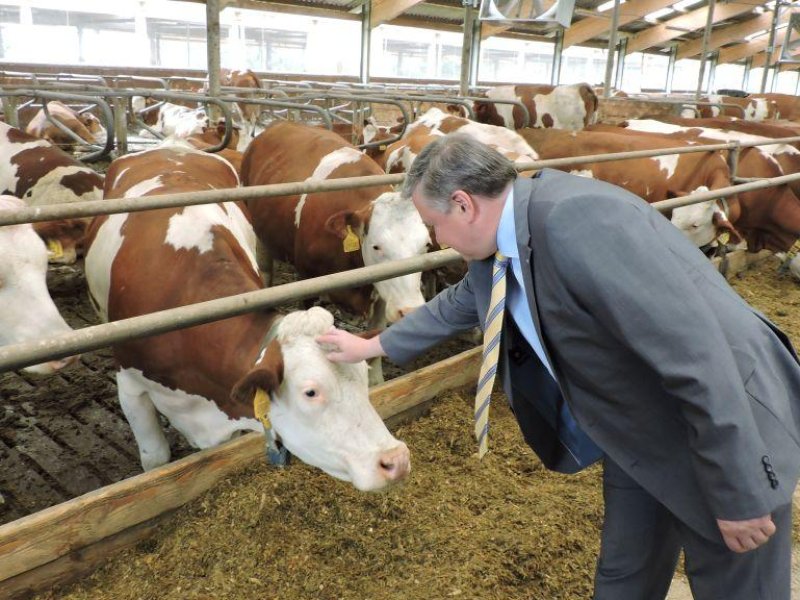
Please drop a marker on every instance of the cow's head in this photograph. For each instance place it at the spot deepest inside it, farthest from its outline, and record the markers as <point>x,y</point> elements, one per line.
<point>94,126</point>
<point>393,231</point>
<point>64,239</point>
<point>28,312</point>
<point>321,410</point>
<point>704,222</point>
<point>486,112</point>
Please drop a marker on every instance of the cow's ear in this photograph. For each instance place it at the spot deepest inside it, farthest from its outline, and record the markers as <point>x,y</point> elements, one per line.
<point>344,223</point>
<point>267,375</point>
<point>480,108</point>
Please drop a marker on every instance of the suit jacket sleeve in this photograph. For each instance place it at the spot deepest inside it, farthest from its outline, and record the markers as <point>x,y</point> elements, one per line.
<point>610,256</point>
<point>450,312</point>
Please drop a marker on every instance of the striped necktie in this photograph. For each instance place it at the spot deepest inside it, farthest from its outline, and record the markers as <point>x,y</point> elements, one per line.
<point>491,351</point>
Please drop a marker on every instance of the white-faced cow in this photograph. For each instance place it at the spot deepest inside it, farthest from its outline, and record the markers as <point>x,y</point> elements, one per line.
<point>27,312</point>
<point>327,232</point>
<point>41,174</point>
<point>204,379</point>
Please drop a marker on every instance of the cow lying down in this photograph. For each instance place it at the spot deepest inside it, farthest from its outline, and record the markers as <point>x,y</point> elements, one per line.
<point>211,381</point>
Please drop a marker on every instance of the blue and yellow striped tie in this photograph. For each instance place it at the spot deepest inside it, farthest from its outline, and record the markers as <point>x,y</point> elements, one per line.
<point>491,351</point>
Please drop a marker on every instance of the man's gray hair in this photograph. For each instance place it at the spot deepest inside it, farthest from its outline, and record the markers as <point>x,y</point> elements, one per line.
<point>457,162</point>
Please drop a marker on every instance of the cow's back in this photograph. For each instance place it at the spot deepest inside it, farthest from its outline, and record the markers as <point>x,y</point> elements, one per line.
<point>293,227</point>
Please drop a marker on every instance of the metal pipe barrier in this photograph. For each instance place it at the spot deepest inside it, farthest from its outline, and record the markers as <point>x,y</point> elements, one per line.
<point>688,103</point>
<point>122,205</point>
<point>97,94</point>
<point>98,336</point>
<point>105,109</point>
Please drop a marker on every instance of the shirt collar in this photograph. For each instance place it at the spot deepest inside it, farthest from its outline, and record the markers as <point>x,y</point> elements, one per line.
<point>506,229</point>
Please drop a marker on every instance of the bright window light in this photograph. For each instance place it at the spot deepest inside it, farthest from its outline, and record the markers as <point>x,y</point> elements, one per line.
<point>752,36</point>
<point>657,14</point>
<point>684,4</point>
<point>608,5</point>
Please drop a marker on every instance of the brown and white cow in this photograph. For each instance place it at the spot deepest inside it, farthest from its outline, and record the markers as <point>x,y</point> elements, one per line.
<point>398,156</point>
<point>563,107</point>
<point>751,108</point>
<point>204,378</point>
<point>27,312</point>
<point>653,179</point>
<point>212,136</point>
<point>767,218</point>
<point>85,125</point>
<point>41,174</point>
<point>327,232</point>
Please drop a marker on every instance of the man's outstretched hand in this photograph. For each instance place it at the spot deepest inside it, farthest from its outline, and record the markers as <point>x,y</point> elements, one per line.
<point>346,347</point>
<point>741,536</point>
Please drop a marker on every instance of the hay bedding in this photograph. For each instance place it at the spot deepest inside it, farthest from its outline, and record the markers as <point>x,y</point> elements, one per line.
<point>503,528</point>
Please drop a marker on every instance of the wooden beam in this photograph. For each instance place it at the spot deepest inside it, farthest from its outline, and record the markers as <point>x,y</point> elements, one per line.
<point>591,27</point>
<point>60,543</point>
<point>691,21</point>
<point>384,11</point>
<point>754,46</point>
<point>725,35</point>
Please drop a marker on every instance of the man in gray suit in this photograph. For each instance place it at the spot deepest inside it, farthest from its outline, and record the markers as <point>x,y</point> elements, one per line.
<point>621,340</point>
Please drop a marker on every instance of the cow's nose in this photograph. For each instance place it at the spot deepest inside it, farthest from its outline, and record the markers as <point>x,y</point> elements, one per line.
<point>395,464</point>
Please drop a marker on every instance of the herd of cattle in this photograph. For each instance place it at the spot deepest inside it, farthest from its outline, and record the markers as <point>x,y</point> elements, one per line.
<point>204,379</point>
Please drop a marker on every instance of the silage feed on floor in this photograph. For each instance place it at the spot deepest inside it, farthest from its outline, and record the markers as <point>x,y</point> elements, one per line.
<point>502,528</point>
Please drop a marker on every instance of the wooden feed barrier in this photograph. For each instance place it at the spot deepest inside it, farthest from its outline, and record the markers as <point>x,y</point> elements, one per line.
<point>65,542</point>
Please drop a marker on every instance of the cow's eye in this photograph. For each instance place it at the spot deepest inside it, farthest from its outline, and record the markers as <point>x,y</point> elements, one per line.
<point>310,393</point>
<point>376,247</point>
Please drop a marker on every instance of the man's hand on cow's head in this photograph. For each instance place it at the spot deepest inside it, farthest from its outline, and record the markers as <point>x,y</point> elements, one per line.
<point>342,346</point>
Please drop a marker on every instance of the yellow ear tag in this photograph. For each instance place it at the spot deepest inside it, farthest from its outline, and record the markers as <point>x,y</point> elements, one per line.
<point>351,243</point>
<point>382,147</point>
<point>54,249</point>
<point>261,407</point>
<point>724,238</point>
<point>443,246</point>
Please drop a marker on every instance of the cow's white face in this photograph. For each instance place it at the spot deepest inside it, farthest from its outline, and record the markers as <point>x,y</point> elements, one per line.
<point>28,312</point>
<point>396,231</point>
<point>322,411</point>
<point>696,221</point>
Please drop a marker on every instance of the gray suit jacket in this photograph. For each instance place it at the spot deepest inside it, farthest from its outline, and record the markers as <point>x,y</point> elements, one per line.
<point>691,391</point>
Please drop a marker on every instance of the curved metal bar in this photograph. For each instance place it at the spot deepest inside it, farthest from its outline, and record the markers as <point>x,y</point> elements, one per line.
<point>105,109</point>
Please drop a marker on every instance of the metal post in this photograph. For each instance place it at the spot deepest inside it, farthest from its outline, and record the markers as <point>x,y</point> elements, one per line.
<point>366,39</point>
<point>770,46</point>
<point>475,56</point>
<point>466,47</point>
<point>704,51</point>
<point>673,56</point>
<point>712,70</point>
<point>797,83</point>
<point>748,66</point>
<point>620,71</point>
<point>212,48</point>
<point>10,111</point>
<point>121,124</point>
<point>558,48</point>
<point>612,44</point>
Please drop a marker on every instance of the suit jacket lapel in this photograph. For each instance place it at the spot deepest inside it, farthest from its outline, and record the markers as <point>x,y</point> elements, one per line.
<point>523,191</point>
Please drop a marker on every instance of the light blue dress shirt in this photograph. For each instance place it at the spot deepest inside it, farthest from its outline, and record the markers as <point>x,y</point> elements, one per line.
<point>582,448</point>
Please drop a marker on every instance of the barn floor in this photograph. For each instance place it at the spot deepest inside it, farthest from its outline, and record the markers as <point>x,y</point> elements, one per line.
<point>502,528</point>
<point>65,435</point>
